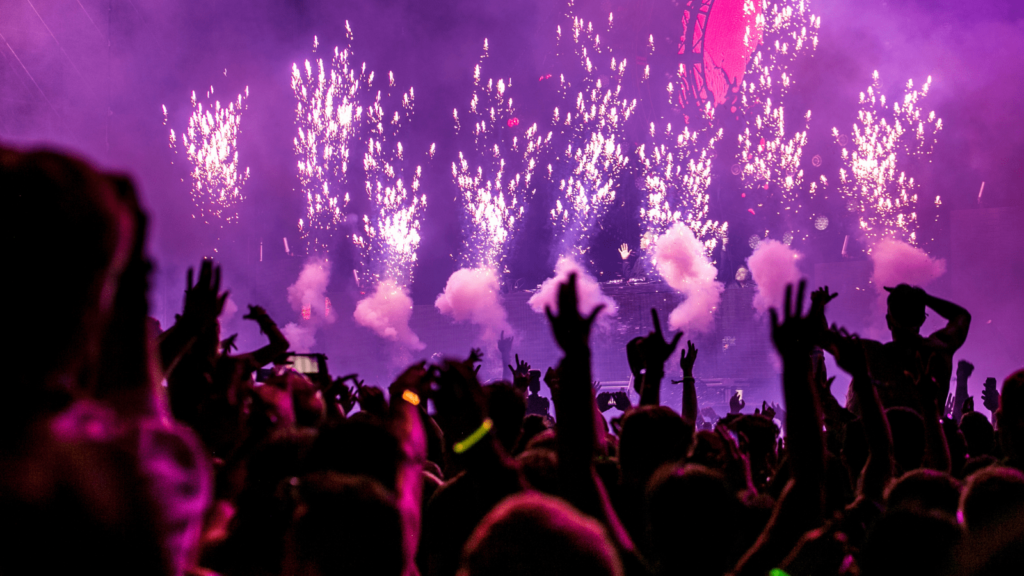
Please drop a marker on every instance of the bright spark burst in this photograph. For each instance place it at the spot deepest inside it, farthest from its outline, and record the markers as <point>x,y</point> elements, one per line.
<point>769,158</point>
<point>676,175</point>
<point>392,226</point>
<point>328,118</point>
<point>211,146</point>
<point>590,134</point>
<point>883,136</point>
<point>496,180</point>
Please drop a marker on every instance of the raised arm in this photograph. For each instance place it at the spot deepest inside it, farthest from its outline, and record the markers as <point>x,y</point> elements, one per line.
<point>964,369</point>
<point>654,351</point>
<point>686,360</point>
<point>954,333</point>
<point>406,394</point>
<point>801,506</point>
<point>575,409</point>
<point>278,343</point>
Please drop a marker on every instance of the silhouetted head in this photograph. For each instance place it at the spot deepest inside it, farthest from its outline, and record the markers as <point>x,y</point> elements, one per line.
<point>533,424</point>
<point>927,490</point>
<point>909,542</point>
<point>651,436</point>
<point>691,520</point>
<point>978,434</point>
<point>539,467</point>
<point>540,535</point>
<point>906,308</point>
<point>344,525</point>
<point>356,447</point>
<point>1010,416</point>
<point>506,406</point>
<point>759,437</point>
<point>907,437</point>
<point>70,236</point>
<point>990,497</point>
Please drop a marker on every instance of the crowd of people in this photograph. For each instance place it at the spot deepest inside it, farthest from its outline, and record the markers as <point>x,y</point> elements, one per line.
<point>129,449</point>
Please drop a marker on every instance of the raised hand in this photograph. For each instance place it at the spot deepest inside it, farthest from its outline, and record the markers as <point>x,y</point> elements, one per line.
<point>520,374</point>
<point>964,369</point>
<point>821,297</point>
<point>476,355</point>
<point>255,313</point>
<point>624,251</point>
<point>968,405</point>
<point>203,299</point>
<point>736,403</point>
<point>604,401</point>
<point>342,394</point>
<point>654,349</point>
<point>571,330</point>
<point>504,345</point>
<point>990,395</point>
<point>687,358</point>
<point>794,334</point>
<point>767,411</point>
<point>948,408</point>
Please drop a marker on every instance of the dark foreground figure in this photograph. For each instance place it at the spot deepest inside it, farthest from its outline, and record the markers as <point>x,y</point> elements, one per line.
<point>106,471</point>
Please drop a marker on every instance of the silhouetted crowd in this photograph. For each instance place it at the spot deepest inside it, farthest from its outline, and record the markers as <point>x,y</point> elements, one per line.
<point>131,450</point>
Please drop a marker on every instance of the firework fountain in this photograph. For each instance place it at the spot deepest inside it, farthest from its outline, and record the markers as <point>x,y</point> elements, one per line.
<point>392,227</point>
<point>211,145</point>
<point>328,118</point>
<point>676,175</point>
<point>884,137</point>
<point>769,155</point>
<point>496,181</point>
<point>588,137</point>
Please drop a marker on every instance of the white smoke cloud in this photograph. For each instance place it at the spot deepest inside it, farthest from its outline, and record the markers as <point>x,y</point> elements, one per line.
<point>896,262</point>
<point>308,296</point>
<point>387,312</point>
<point>473,295</point>
<point>681,260</point>
<point>301,338</point>
<point>588,292</point>
<point>772,266</point>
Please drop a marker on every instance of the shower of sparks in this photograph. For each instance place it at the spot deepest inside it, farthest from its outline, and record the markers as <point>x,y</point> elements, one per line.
<point>871,182</point>
<point>590,137</point>
<point>769,158</point>
<point>496,180</point>
<point>676,175</point>
<point>392,227</point>
<point>328,118</point>
<point>211,146</point>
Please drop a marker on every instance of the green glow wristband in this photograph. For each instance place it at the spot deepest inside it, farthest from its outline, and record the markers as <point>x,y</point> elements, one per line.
<point>777,572</point>
<point>475,437</point>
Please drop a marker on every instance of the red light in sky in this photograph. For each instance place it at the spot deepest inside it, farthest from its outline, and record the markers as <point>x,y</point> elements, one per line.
<point>513,122</point>
<point>307,312</point>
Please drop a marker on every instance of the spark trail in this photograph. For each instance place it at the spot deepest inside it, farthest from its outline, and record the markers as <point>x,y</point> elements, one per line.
<point>769,156</point>
<point>328,117</point>
<point>496,180</point>
<point>883,138</point>
<point>676,174</point>
<point>211,145</point>
<point>589,135</point>
<point>392,226</point>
